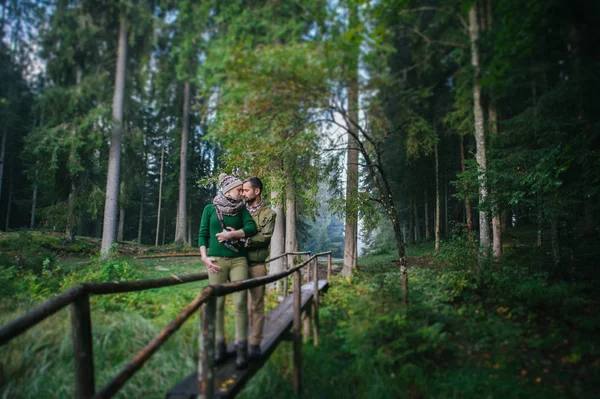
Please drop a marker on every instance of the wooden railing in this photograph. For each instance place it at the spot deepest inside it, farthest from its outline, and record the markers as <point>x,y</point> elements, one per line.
<point>81,327</point>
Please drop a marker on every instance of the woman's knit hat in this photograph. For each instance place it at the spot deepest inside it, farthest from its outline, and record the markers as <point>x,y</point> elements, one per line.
<point>228,182</point>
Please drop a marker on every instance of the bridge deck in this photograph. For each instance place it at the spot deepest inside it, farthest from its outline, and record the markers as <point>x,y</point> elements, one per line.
<point>228,380</point>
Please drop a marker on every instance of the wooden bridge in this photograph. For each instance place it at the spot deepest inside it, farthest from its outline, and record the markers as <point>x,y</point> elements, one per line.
<point>208,381</point>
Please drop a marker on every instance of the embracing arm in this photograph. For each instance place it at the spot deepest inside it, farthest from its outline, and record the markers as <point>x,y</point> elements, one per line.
<point>263,238</point>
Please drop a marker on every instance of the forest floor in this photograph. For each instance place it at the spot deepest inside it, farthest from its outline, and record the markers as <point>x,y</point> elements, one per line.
<point>510,330</point>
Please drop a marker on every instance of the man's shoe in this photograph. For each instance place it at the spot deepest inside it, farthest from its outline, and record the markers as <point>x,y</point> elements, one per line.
<point>241,360</point>
<point>254,352</point>
<point>221,351</point>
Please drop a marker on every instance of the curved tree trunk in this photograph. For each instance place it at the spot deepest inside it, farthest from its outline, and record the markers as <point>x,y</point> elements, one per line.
<point>180,226</point>
<point>481,154</point>
<point>114,158</point>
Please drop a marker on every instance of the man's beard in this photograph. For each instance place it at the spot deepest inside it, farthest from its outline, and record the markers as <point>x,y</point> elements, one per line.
<point>251,201</point>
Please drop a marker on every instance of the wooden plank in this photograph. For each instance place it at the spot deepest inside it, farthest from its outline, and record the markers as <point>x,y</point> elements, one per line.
<point>228,380</point>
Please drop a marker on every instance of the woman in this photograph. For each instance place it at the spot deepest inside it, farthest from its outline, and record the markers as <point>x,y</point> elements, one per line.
<point>223,223</point>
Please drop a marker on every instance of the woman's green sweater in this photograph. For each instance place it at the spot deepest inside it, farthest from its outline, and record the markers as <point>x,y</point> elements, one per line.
<point>210,226</point>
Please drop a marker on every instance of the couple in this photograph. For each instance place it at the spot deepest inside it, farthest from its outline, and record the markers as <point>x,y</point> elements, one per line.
<point>237,236</point>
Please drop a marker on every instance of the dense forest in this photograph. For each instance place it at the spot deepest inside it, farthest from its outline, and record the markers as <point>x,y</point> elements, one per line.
<point>470,127</point>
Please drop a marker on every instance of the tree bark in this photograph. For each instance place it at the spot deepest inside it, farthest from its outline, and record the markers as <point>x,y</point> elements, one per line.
<point>70,224</point>
<point>278,238</point>
<point>114,159</point>
<point>160,180</point>
<point>411,221</point>
<point>291,239</point>
<point>141,217</point>
<point>351,225</point>
<point>34,203</point>
<point>188,239</point>
<point>437,199</point>
<point>10,196</point>
<point>121,214</point>
<point>401,252</point>
<point>417,222</point>
<point>2,158</point>
<point>446,226</point>
<point>468,210</point>
<point>481,155</point>
<point>427,230</point>
<point>180,226</point>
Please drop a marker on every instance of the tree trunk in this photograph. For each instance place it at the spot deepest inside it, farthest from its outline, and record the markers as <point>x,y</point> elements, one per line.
<point>278,238</point>
<point>411,221</point>
<point>188,239</point>
<point>141,217</point>
<point>497,232</point>
<point>9,205</point>
<point>291,239</point>
<point>351,225</point>
<point>164,229</point>
<point>437,199</point>
<point>114,159</point>
<point>401,254</point>
<point>446,225</point>
<point>121,214</point>
<point>481,155</point>
<point>182,205</point>
<point>417,222</point>
<point>70,224</point>
<point>160,180</point>
<point>34,204</point>
<point>2,158</point>
<point>468,210</point>
<point>427,230</point>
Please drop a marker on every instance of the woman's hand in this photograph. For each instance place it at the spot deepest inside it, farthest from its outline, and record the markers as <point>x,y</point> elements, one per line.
<point>225,235</point>
<point>212,268</point>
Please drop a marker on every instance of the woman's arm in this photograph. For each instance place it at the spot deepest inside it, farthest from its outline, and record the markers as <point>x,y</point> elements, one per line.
<point>208,262</point>
<point>248,229</point>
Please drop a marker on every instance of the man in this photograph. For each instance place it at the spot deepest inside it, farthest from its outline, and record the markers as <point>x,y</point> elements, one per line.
<point>258,251</point>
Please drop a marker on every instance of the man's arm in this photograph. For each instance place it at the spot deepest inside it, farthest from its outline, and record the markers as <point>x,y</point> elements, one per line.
<point>263,238</point>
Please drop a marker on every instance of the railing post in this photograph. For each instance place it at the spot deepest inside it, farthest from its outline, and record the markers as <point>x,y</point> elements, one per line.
<point>328,267</point>
<point>316,304</point>
<point>307,257</point>
<point>285,280</point>
<point>206,370</point>
<point>81,329</point>
<point>297,334</point>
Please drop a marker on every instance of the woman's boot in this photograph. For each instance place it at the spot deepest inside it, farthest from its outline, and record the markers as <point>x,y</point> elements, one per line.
<point>221,351</point>
<point>241,361</point>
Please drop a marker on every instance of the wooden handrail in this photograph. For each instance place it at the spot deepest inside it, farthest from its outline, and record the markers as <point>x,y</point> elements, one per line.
<point>48,308</point>
<point>215,290</point>
<point>143,355</point>
<point>35,316</point>
<point>53,305</point>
